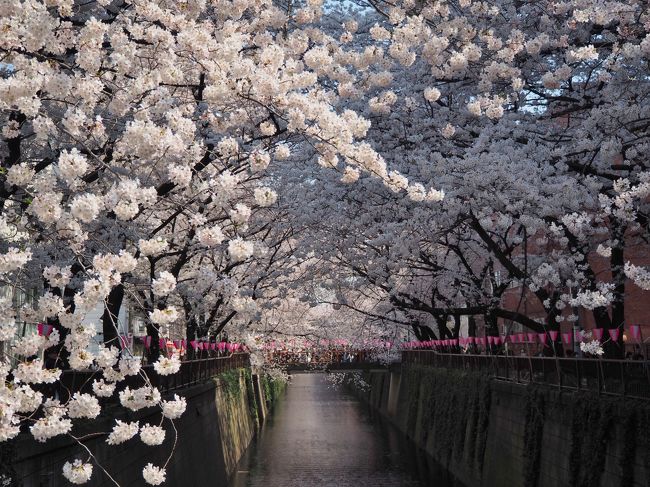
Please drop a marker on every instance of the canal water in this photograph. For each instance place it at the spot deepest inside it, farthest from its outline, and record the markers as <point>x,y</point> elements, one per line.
<point>322,436</point>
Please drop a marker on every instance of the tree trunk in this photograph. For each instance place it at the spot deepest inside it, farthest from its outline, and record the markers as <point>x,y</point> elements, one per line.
<point>191,329</point>
<point>617,263</point>
<point>154,349</point>
<point>111,313</point>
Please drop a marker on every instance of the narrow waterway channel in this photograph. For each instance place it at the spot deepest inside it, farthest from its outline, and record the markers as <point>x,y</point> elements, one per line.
<point>321,436</point>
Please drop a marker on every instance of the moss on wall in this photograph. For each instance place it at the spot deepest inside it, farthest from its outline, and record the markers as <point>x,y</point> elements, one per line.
<point>273,389</point>
<point>448,410</point>
<point>552,437</point>
<point>231,382</point>
<point>595,420</point>
<point>533,435</point>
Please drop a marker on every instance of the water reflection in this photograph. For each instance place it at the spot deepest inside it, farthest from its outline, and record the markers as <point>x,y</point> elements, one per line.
<point>320,436</point>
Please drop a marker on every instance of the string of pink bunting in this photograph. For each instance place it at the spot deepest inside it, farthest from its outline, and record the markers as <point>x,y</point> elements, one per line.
<point>543,338</point>
<point>195,344</point>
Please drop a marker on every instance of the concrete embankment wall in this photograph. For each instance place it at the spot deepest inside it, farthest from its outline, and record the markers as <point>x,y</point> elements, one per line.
<point>220,421</point>
<point>490,433</point>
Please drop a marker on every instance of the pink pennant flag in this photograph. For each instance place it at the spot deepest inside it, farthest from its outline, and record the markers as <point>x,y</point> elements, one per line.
<point>490,340</point>
<point>213,346</point>
<point>598,333</point>
<point>531,337</point>
<point>614,333</point>
<point>194,344</point>
<point>162,343</point>
<point>553,334</point>
<point>44,330</point>
<point>521,337</point>
<point>200,345</point>
<point>635,331</point>
<point>455,342</point>
<point>566,338</point>
<point>177,344</point>
<point>471,340</point>
<point>482,341</point>
<point>542,338</point>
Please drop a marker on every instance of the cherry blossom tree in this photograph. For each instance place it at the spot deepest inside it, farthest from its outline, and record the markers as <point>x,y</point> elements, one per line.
<point>418,158</point>
<point>134,138</point>
<point>531,118</point>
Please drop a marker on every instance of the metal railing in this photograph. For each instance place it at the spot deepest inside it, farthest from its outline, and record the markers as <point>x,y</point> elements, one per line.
<point>615,377</point>
<point>192,372</point>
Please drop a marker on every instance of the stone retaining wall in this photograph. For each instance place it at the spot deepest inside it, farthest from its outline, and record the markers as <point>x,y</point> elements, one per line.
<point>489,433</point>
<point>217,427</point>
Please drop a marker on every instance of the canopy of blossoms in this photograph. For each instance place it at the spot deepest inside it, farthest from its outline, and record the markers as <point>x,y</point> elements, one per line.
<point>209,162</point>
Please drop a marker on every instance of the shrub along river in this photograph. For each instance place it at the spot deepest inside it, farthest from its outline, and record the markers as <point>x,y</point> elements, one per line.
<point>321,435</point>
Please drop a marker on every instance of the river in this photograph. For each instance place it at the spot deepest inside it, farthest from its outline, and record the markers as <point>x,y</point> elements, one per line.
<point>322,436</point>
